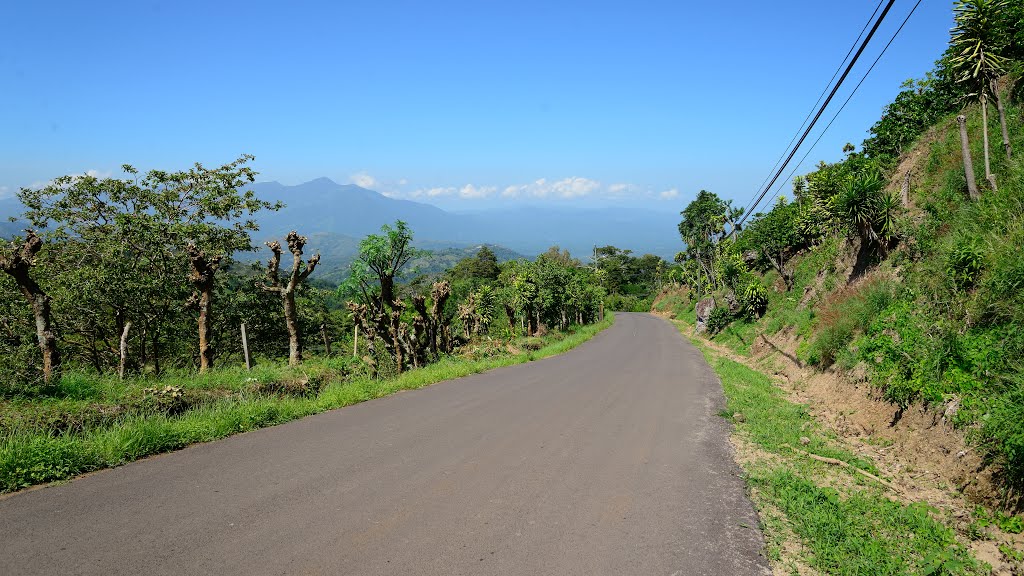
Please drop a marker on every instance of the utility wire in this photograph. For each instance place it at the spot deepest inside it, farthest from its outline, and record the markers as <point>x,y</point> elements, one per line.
<point>848,98</point>
<point>821,110</point>
<point>818,101</point>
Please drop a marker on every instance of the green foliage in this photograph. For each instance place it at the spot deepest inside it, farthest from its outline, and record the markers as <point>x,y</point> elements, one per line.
<point>849,312</point>
<point>964,263</point>
<point>850,528</point>
<point>718,319</point>
<point>754,299</point>
<point>239,401</point>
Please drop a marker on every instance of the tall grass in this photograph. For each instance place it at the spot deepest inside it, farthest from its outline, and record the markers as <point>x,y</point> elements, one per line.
<point>31,455</point>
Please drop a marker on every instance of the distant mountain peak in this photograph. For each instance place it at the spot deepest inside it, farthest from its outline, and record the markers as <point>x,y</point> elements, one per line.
<point>322,181</point>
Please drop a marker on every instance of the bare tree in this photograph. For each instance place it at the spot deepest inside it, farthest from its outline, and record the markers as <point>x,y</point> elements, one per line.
<point>17,262</point>
<point>286,287</point>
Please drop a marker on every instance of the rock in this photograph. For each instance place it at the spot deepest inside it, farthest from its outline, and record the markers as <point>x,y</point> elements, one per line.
<point>739,417</point>
<point>732,302</point>
<point>703,312</point>
<point>804,440</point>
<point>952,407</point>
<point>961,454</point>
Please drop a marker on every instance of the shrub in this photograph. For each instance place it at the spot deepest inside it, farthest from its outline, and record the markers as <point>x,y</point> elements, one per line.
<point>754,299</point>
<point>850,310</point>
<point>718,319</point>
<point>964,263</point>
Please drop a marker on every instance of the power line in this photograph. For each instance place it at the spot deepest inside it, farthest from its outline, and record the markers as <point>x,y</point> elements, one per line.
<point>820,96</point>
<point>821,110</point>
<point>848,98</point>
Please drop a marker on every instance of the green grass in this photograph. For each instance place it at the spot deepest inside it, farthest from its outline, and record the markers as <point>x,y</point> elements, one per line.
<point>846,525</point>
<point>31,454</point>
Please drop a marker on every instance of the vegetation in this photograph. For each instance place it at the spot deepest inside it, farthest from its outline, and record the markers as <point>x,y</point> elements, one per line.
<point>848,525</point>
<point>123,312</point>
<point>95,421</point>
<point>901,263</point>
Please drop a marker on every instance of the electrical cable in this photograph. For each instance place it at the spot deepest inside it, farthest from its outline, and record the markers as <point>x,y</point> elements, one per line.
<point>821,110</point>
<point>848,98</point>
<point>820,96</point>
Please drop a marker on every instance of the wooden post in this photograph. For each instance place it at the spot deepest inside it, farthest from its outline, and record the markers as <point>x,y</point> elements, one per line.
<point>245,348</point>
<point>602,311</point>
<point>124,351</point>
<point>355,343</point>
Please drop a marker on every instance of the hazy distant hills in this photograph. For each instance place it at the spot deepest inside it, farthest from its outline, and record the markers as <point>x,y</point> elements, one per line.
<point>335,216</point>
<point>323,206</point>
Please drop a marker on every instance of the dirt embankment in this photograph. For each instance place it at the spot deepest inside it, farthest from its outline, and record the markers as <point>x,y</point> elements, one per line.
<point>917,449</point>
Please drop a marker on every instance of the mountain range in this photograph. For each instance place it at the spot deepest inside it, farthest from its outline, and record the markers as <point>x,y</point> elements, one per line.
<point>323,206</point>
<point>335,216</point>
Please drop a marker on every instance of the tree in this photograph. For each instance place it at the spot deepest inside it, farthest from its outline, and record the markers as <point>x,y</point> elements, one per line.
<point>286,287</point>
<point>702,224</point>
<point>976,43</point>
<point>128,249</point>
<point>775,237</point>
<point>17,261</point>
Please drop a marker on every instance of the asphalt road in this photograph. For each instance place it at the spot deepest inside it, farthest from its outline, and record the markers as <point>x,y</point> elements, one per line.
<point>609,459</point>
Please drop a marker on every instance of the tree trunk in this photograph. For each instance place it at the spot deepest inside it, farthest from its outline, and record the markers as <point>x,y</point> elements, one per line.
<point>1002,118</point>
<point>905,190</point>
<point>291,318</point>
<point>510,313</point>
<point>156,351</point>
<point>44,333</point>
<point>123,365</point>
<point>17,264</point>
<point>205,329</point>
<point>984,140</point>
<point>327,339</point>
<point>965,150</point>
<point>202,277</point>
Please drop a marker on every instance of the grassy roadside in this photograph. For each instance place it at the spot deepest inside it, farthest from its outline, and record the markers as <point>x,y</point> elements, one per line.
<point>819,517</point>
<point>32,455</point>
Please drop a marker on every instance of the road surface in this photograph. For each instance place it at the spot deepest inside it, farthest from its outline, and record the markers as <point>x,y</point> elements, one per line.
<point>609,459</point>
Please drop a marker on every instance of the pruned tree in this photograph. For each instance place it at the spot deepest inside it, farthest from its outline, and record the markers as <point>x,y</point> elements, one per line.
<point>202,279</point>
<point>17,261</point>
<point>286,287</point>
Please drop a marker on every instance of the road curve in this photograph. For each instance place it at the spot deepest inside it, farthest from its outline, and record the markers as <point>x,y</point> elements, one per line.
<point>609,459</point>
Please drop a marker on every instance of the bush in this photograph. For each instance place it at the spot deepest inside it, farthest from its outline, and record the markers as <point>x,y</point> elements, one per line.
<point>718,319</point>
<point>754,299</point>
<point>852,309</point>
<point>964,264</point>
<point>1001,435</point>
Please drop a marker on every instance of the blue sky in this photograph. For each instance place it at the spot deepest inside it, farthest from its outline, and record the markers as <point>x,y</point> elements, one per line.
<point>462,104</point>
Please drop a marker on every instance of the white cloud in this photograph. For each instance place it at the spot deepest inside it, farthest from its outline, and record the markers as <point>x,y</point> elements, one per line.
<point>574,187</point>
<point>5,192</point>
<point>470,191</point>
<point>669,194</point>
<point>99,174</point>
<point>363,180</point>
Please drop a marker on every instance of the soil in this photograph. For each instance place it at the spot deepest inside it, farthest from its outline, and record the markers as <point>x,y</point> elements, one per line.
<point>919,451</point>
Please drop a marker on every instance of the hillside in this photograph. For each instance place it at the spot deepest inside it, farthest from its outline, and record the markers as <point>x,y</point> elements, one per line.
<point>932,321</point>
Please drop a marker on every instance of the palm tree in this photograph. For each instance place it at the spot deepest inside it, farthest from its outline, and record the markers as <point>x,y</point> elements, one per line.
<point>976,62</point>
